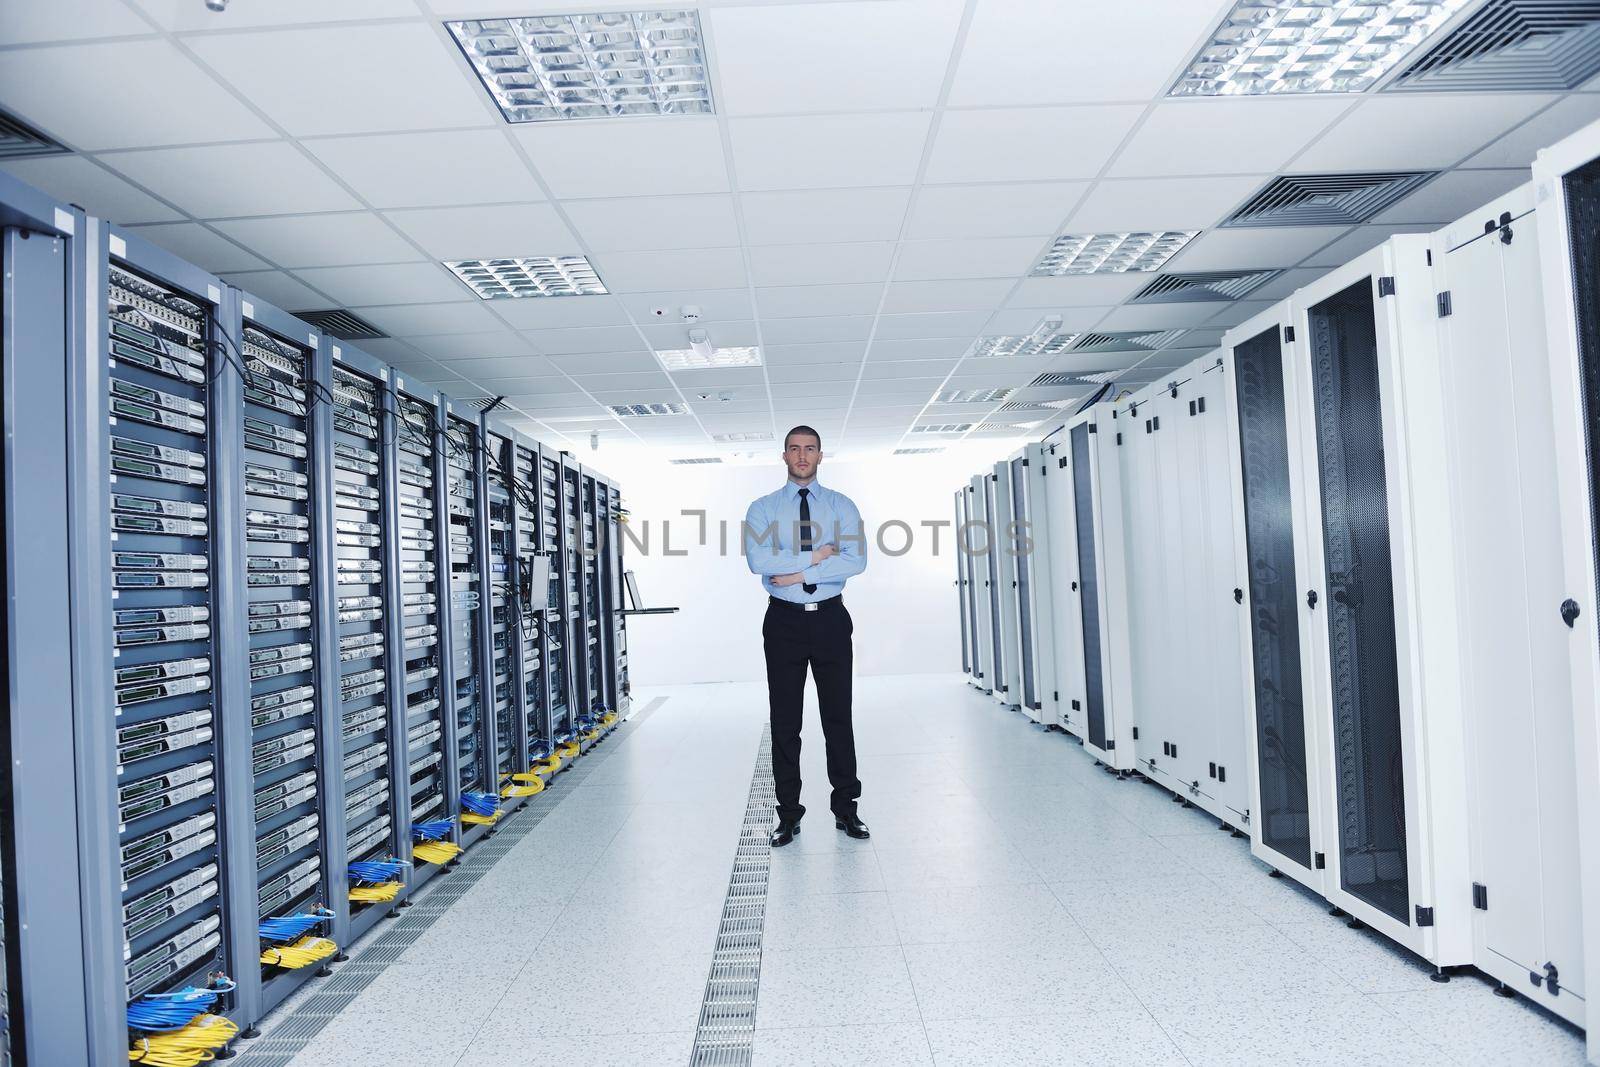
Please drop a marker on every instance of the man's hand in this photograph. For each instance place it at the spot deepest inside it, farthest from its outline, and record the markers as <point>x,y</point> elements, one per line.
<point>822,552</point>
<point>781,580</point>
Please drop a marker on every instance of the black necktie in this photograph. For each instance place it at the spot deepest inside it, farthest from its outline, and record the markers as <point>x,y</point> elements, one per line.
<point>805,531</point>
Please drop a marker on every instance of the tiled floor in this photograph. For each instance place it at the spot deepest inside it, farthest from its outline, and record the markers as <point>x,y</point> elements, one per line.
<point>1016,905</point>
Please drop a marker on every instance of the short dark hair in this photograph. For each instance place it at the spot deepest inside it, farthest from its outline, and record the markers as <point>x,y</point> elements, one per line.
<point>802,430</point>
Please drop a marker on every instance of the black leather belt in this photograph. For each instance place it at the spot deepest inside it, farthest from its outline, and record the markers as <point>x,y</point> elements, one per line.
<point>820,605</point>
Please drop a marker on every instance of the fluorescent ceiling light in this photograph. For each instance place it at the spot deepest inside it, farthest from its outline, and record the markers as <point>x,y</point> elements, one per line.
<point>552,67</point>
<point>740,438</point>
<point>972,396</point>
<point>1310,46</point>
<point>695,359</point>
<point>917,451</point>
<point>1110,253</point>
<point>943,427</point>
<point>504,279</point>
<point>645,411</point>
<point>1016,345</point>
<point>696,461</point>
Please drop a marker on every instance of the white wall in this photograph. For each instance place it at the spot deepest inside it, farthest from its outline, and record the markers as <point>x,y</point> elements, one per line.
<point>904,606</point>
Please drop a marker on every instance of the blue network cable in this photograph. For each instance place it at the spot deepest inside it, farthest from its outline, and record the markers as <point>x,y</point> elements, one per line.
<point>291,927</point>
<point>432,830</point>
<point>375,871</point>
<point>162,1012</point>
<point>484,804</point>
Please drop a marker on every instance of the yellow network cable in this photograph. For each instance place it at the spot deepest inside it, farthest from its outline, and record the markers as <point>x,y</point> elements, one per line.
<point>526,784</point>
<point>303,953</point>
<point>375,894</point>
<point>549,764</point>
<point>194,1044</point>
<point>472,818</point>
<point>568,750</point>
<point>440,852</point>
<point>610,719</point>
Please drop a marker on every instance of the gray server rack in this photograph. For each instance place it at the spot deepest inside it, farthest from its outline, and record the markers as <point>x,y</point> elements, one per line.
<point>617,627</point>
<point>528,616</point>
<point>572,592</point>
<point>468,665</point>
<point>558,615</point>
<point>499,472</point>
<point>963,591</point>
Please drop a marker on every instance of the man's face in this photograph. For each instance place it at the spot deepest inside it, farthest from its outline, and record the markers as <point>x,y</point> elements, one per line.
<point>802,454</point>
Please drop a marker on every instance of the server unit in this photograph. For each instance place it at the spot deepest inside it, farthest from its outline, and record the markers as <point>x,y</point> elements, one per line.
<point>963,591</point>
<point>499,472</point>
<point>1377,613</point>
<point>1004,552</point>
<point>1268,486</point>
<point>1181,561</point>
<point>970,565</point>
<point>469,683</point>
<point>1035,629</point>
<point>982,544</point>
<point>622,685</point>
<point>1567,188</point>
<point>558,616</point>
<point>1090,587</point>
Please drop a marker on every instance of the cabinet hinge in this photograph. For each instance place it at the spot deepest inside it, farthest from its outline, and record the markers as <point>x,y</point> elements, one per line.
<point>1222,773</point>
<point>1320,861</point>
<point>1429,253</point>
<point>1110,745</point>
<point>1119,438</point>
<point>1076,706</point>
<point>1424,916</point>
<point>1212,769</point>
<point>1024,462</point>
<point>1136,733</point>
<point>1062,463</point>
<point>1443,302</point>
<point>1386,285</point>
<point>1056,696</point>
<point>1288,335</point>
<point>1480,896</point>
<point>1093,428</point>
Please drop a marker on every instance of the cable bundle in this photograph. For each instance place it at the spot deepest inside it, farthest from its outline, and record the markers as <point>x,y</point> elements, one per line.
<point>526,784</point>
<point>303,953</point>
<point>162,1012</point>
<point>569,750</point>
<point>289,927</point>
<point>375,871</point>
<point>430,845</point>
<point>479,808</point>
<point>431,830</point>
<point>377,893</point>
<point>196,1043</point>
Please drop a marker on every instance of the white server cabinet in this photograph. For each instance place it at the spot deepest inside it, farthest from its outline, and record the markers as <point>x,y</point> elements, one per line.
<point>1004,552</point>
<point>1089,582</point>
<point>1035,626</point>
<point>977,541</point>
<point>1267,490</point>
<point>1516,681</point>
<point>1183,567</point>
<point>1567,189</point>
<point>963,591</point>
<point>1380,601</point>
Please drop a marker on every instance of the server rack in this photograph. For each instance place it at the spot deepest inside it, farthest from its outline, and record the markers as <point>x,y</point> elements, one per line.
<point>1035,627</point>
<point>374,636</point>
<point>531,605</point>
<point>573,595</point>
<point>425,586</point>
<point>1268,486</point>
<point>469,683</point>
<point>499,467</point>
<point>558,614</point>
<point>295,752</point>
<point>1381,598</point>
<point>590,647</point>
<point>622,686</point>
<point>1003,521</point>
<point>981,544</point>
<point>1565,180</point>
<point>607,501</point>
<point>62,977</point>
<point>969,666</point>
<point>1064,594</point>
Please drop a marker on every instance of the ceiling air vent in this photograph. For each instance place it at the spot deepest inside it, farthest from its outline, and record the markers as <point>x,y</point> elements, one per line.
<point>18,140</point>
<point>1326,199</point>
<point>1025,407</point>
<point>1057,378</point>
<point>972,396</point>
<point>917,451</point>
<point>480,403</point>
<point>1126,342</point>
<point>1512,46</point>
<point>645,411</point>
<point>337,322</point>
<point>1099,377</point>
<point>1203,287</point>
<point>698,460</point>
<point>943,427</point>
<point>1000,428</point>
<point>740,438</point>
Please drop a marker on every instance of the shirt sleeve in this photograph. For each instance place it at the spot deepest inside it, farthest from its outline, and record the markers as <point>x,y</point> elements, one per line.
<point>849,537</point>
<point>762,550</point>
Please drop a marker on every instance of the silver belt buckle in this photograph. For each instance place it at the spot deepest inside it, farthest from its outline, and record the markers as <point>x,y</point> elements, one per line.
<point>811,607</point>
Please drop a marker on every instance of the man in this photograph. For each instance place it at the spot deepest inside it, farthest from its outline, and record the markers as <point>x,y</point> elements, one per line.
<point>805,541</point>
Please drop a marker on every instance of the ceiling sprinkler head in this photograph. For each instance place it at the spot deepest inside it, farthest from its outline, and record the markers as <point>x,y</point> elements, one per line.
<point>217,5</point>
<point>594,440</point>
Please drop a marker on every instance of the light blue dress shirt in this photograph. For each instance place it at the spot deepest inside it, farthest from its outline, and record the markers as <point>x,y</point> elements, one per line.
<point>772,544</point>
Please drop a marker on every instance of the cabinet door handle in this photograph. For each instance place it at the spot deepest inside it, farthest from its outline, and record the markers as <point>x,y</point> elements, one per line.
<point>1569,612</point>
<point>1311,599</point>
<point>1238,595</point>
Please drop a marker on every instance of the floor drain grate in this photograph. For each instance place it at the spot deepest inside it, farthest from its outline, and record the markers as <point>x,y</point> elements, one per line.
<point>726,1033</point>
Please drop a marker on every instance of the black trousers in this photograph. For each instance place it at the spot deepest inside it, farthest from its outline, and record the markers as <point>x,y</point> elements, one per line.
<point>820,639</point>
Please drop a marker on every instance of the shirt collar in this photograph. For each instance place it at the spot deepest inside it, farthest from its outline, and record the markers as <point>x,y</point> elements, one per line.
<point>791,489</point>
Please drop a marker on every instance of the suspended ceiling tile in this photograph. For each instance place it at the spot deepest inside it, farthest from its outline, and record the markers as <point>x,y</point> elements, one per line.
<point>501,232</point>
<point>640,362</point>
<point>1024,52</point>
<point>67,20</point>
<point>441,168</point>
<point>277,288</point>
<point>122,94</point>
<point>810,355</point>
<point>1027,144</point>
<point>645,272</point>
<point>723,335</point>
<point>1406,132</point>
<point>200,246</point>
<point>347,79</point>
<point>1517,148</point>
<point>989,257</point>
<point>908,370</point>
<point>817,328</point>
<point>883,55</point>
<point>582,341</point>
<point>670,155</point>
<point>1077,290</point>
<point>928,348</point>
<point>1223,135</point>
<point>1239,311</point>
<point>649,223</point>
<point>820,264</point>
<point>488,345</point>
<point>790,301</point>
<point>394,283</point>
<point>236,180</point>
<point>1359,240</point>
<point>1142,205</point>
<point>1449,196</point>
<point>1156,316</point>
<point>1008,322</point>
<point>562,312</point>
<point>1276,246</point>
<point>813,373</point>
<point>823,216</point>
<point>822,151</point>
<point>918,325</point>
<point>993,210</point>
<point>182,15</point>
<point>329,240</point>
<point>77,180</point>
<point>715,306</point>
<point>983,294</point>
<point>465,314</point>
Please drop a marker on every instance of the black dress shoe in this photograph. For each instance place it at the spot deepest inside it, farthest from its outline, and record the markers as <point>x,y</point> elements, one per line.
<point>852,825</point>
<point>785,833</point>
